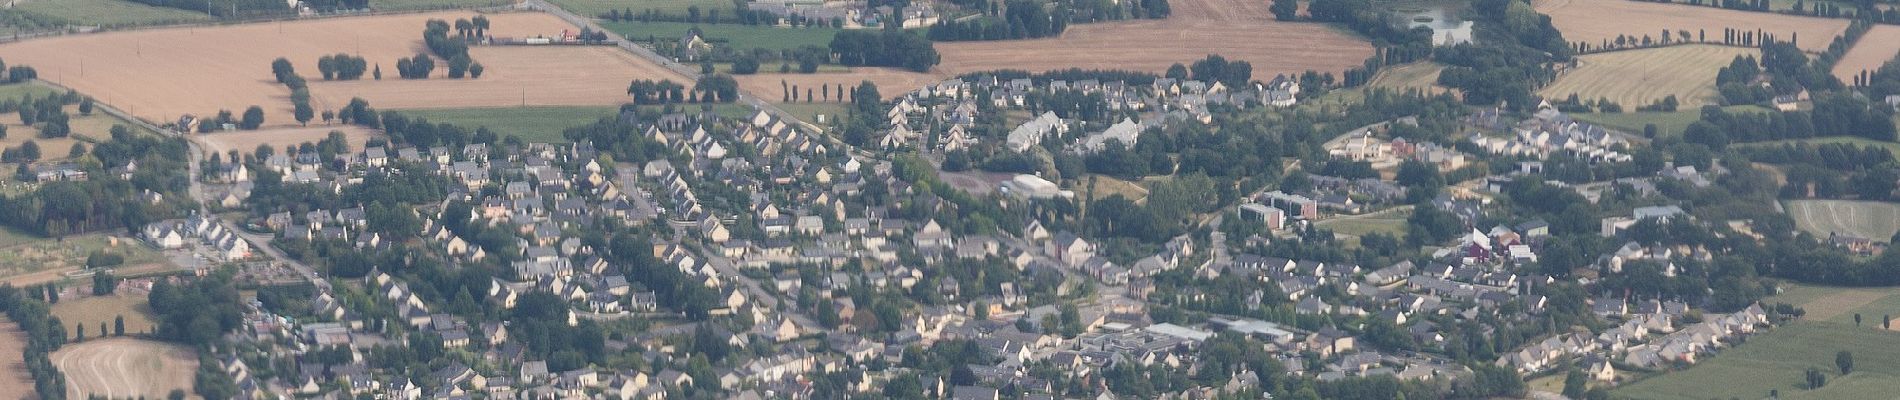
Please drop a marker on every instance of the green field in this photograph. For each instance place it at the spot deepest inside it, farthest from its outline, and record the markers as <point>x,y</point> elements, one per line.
<point>809,112</point>
<point>1776,361</point>
<point>532,124</point>
<point>736,36</point>
<point>1859,141</point>
<point>1667,123</point>
<point>398,5</point>
<point>109,13</point>
<point>594,8</point>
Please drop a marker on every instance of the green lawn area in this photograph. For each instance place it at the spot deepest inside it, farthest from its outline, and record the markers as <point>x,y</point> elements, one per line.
<point>594,8</point>
<point>20,90</point>
<point>1667,123</point>
<point>1776,361</point>
<point>1859,141</point>
<point>532,124</point>
<point>434,4</point>
<point>736,36</point>
<point>109,13</point>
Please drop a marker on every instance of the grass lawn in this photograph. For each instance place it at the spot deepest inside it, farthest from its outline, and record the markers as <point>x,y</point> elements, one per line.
<point>1667,123</point>
<point>434,4</point>
<point>532,124</point>
<point>743,37</point>
<point>109,13</point>
<point>91,311</point>
<point>594,8</point>
<point>1419,75</point>
<point>1859,141</point>
<point>1868,219</point>
<point>1776,360</point>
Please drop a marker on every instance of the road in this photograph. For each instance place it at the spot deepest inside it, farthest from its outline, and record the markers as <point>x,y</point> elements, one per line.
<point>195,152</point>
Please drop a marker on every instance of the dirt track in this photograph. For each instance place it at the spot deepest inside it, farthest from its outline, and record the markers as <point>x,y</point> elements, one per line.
<point>1235,29</point>
<point>1595,21</point>
<point>162,73</point>
<point>124,367</point>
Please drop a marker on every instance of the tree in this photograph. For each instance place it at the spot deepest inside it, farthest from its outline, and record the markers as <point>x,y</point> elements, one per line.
<point>253,118</point>
<point>303,112</point>
<point>30,151</point>
<point>1574,383</point>
<point>1856,319</point>
<point>378,74</point>
<point>79,332</point>
<point>475,70</point>
<point>85,106</point>
<point>1845,361</point>
<point>481,25</point>
<point>78,150</point>
<point>118,325</point>
<point>282,69</point>
<point>176,394</point>
<point>1285,10</point>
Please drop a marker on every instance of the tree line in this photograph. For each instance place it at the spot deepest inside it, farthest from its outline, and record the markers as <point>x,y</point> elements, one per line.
<point>29,309</point>
<point>435,36</point>
<point>342,67</point>
<point>884,48</point>
<point>1020,19</point>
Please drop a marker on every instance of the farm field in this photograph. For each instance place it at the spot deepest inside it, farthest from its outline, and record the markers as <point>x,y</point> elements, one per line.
<point>743,37</point>
<point>1876,48</point>
<point>1635,78</point>
<point>594,8</point>
<point>79,307</point>
<point>1236,29</point>
<point>1775,361</point>
<point>109,13</point>
<point>1868,219</point>
<point>532,124</point>
<point>1667,123</point>
<point>1420,76</point>
<point>125,367</point>
<point>247,141</point>
<point>207,69</point>
<point>1838,304</point>
<point>1595,21</point>
<point>15,381</point>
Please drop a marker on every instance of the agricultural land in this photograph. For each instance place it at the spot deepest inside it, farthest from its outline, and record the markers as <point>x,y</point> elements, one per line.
<point>125,367</point>
<point>1867,219</point>
<point>1596,21</point>
<point>1776,360</point>
<point>1878,46</point>
<point>161,74</point>
<point>1635,78</point>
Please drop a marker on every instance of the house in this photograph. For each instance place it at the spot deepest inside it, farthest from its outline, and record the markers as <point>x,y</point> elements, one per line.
<point>1070,249</point>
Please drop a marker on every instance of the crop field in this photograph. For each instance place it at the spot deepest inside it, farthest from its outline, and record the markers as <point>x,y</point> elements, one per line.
<point>75,308</point>
<point>1868,219</point>
<point>532,124</point>
<point>15,381</point>
<point>1635,78</point>
<point>743,37</point>
<point>247,141</point>
<point>594,8</point>
<point>109,13</point>
<point>1236,29</point>
<point>125,367</point>
<point>1776,360</point>
<point>1880,45</point>
<point>161,74</point>
<point>1595,21</point>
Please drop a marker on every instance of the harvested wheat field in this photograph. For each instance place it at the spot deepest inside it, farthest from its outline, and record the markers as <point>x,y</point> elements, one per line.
<point>15,381</point>
<point>1240,30</point>
<point>277,138</point>
<point>125,367</point>
<point>1635,78</point>
<point>1596,21</point>
<point>163,73</point>
<point>1874,49</point>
